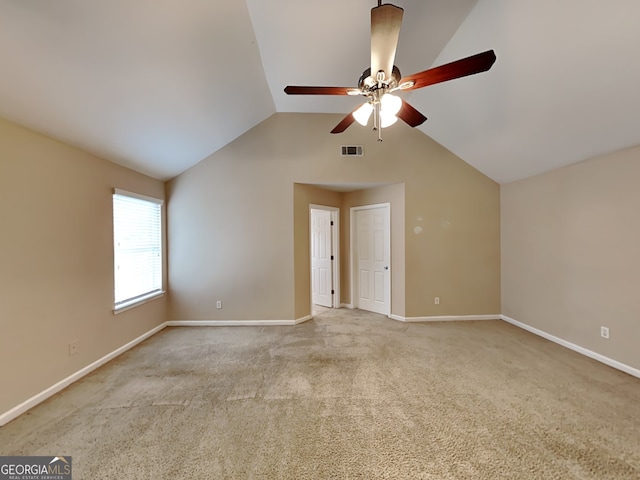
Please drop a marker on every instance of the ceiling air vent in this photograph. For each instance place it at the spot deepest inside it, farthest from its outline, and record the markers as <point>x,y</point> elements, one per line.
<point>352,151</point>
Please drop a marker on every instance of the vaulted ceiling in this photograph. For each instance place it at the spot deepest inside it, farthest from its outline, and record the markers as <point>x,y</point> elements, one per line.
<point>158,85</point>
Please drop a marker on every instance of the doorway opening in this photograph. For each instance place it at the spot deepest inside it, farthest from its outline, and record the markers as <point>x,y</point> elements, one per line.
<point>325,256</point>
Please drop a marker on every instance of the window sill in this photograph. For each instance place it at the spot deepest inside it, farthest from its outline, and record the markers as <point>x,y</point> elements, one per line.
<point>137,302</point>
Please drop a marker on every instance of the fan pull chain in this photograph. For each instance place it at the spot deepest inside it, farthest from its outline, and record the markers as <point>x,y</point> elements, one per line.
<point>379,121</point>
<point>375,117</point>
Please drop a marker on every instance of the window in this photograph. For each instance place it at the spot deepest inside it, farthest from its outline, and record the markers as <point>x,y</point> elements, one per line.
<point>137,248</point>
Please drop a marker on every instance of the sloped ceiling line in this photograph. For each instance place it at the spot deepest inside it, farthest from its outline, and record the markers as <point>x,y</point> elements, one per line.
<point>159,86</point>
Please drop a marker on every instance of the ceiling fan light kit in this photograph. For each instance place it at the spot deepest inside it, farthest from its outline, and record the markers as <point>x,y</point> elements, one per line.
<point>389,107</point>
<point>386,108</point>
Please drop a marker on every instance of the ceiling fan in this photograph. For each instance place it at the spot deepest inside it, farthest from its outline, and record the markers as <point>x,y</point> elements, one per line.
<point>378,82</point>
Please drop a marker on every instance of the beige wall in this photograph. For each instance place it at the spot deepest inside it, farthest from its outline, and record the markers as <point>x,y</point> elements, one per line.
<point>452,237</point>
<point>571,251</point>
<point>56,262</point>
<point>232,217</point>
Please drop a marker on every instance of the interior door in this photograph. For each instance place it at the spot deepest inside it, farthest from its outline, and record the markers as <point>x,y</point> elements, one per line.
<point>321,264</point>
<point>372,252</point>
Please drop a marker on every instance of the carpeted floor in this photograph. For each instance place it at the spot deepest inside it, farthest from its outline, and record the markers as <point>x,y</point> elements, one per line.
<point>348,395</point>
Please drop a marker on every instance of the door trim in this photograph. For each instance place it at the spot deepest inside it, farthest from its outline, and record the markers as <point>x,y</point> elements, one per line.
<point>352,251</point>
<point>335,247</point>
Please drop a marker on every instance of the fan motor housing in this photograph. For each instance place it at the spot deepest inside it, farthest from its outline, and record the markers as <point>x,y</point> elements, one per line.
<point>367,82</point>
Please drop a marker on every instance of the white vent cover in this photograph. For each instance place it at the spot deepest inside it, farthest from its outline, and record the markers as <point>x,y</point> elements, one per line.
<point>351,151</point>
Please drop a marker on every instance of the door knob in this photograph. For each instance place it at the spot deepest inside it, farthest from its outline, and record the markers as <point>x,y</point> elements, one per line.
<point>387,267</point>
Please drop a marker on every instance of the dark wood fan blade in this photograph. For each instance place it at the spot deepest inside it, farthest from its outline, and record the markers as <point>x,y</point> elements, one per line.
<point>410,115</point>
<point>293,90</point>
<point>386,21</point>
<point>460,68</point>
<point>345,123</point>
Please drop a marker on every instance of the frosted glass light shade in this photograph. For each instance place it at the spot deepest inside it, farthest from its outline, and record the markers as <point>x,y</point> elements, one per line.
<point>387,119</point>
<point>390,104</point>
<point>363,113</point>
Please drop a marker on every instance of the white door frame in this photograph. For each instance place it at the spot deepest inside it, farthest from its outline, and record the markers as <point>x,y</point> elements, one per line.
<point>335,249</point>
<point>352,250</point>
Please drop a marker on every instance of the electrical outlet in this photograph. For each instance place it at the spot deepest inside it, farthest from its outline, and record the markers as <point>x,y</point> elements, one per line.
<point>604,332</point>
<point>73,348</point>
<point>436,300</point>
<point>219,304</point>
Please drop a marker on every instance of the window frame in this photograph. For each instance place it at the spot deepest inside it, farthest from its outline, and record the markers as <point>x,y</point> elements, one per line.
<point>132,302</point>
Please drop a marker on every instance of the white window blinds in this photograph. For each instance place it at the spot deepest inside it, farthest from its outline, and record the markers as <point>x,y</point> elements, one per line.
<point>137,247</point>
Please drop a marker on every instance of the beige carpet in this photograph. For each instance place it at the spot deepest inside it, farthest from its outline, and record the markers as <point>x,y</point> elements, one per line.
<point>347,395</point>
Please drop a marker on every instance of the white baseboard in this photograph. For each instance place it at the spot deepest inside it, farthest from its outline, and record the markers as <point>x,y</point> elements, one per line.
<point>576,348</point>
<point>235,323</point>
<point>346,305</point>
<point>444,318</point>
<point>6,417</point>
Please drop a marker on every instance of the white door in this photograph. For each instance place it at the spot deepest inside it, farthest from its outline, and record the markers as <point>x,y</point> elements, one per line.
<point>372,259</point>
<point>321,264</point>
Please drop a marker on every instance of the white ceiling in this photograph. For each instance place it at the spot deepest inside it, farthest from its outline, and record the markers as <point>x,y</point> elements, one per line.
<point>158,85</point>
